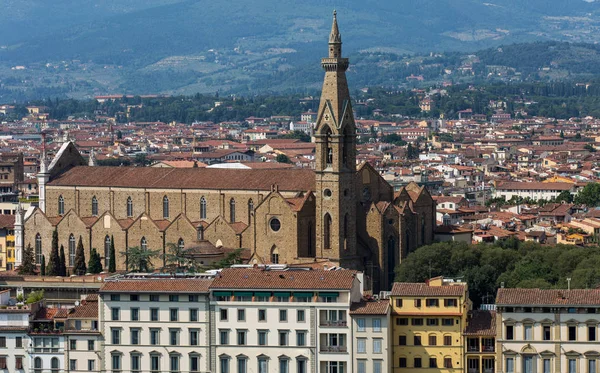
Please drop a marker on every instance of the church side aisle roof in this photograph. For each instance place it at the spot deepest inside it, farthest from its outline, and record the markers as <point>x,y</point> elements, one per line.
<point>190,178</point>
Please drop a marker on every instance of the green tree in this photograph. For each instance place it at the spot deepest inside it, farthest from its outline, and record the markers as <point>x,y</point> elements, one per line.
<point>590,148</point>
<point>63,262</point>
<point>54,262</point>
<point>141,160</point>
<point>95,263</point>
<point>234,257</point>
<point>564,196</point>
<point>140,260</point>
<point>35,296</point>
<point>112,261</point>
<point>43,266</point>
<point>282,158</point>
<point>178,258</point>
<point>412,152</point>
<point>393,138</point>
<point>589,195</point>
<point>27,266</point>
<point>300,135</point>
<point>79,267</point>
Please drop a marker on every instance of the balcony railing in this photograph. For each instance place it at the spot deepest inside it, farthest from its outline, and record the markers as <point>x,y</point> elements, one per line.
<point>473,348</point>
<point>335,323</point>
<point>342,349</point>
<point>488,349</point>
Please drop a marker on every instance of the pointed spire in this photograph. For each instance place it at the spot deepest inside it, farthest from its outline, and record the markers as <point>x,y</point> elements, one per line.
<point>335,36</point>
<point>92,159</point>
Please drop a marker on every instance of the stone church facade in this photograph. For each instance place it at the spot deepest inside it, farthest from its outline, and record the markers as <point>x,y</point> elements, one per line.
<point>338,213</point>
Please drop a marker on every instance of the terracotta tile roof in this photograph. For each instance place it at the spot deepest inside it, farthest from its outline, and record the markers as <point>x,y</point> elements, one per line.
<point>45,313</point>
<point>482,323</point>
<point>7,221</point>
<point>170,285</point>
<point>417,289</point>
<point>251,278</point>
<point>61,313</point>
<point>543,297</point>
<point>517,185</point>
<point>370,307</point>
<point>87,310</point>
<point>89,221</point>
<point>188,178</point>
<point>238,227</point>
<point>125,223</point>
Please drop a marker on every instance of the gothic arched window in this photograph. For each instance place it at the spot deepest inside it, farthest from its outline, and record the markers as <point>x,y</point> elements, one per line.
<point>345,230</point>
<point>274,255</point>
<point>391,259</point>
<point>232,210</point>
<point>328,147</point>
<point>327,231</point>
<point>311,248</point>
<point>38,249</point>
<point>129,207</point>
<point>94,206</point>
<point>107,245</point>
<point>250,210</point>
<point>202,208</point>
<point>61,205</point>
<point>422,230</point>
<point>71,250</point>
<point>165,207</point>
<point>181,244</point>
<point>144,244</point>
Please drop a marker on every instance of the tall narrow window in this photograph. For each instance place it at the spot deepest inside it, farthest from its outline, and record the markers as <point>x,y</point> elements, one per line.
<point>250,210</point>
<point>345,230</point>
<point>94,206</point>
<point>107,244</point>
<point>311,249</point>
<point>38,249</point>
<point>328,149</point>
<point>165,207</point>
<point>181,244</point>
<point>203,208</point>
<point>275,255</point>
<point>54,365</point>
<point>327,231</point>
<point>422,230</point>
<point>61,205</point>
<point>232,210</point>
<point>37,365</point>
<point>129,207</point>
<point>71,250</point>
<point>144,244</point>
<point>391,256</point>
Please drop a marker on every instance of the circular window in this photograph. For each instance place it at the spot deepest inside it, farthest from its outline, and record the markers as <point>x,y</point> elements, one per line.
<point>275,224</point>
<point>327,193</point>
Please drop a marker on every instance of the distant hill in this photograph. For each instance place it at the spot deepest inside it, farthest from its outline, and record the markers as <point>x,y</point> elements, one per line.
<point>88,47</point>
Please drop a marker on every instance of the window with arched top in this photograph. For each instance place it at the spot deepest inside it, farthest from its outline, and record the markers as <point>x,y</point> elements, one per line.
<point>422,230</point>
<point>328,147</point>
<point>391,259</point>
<point>54,365</point>
<point>250,210</point>
<point>107,245</point>
<point>129,207</point>
<point>71,250</point>
<point>165,207</point>
<point>202,208</point>
<point>38,249</point>
<point>37,365</point>
<point>61,205</point>
<point>200,232</point>
<point>274,255</point>
<point>181,244</point>
<point>232,210</point>
<point>94,206</point>
<point>144,244</point>
<point>310,235</point>
<point>327,231</point>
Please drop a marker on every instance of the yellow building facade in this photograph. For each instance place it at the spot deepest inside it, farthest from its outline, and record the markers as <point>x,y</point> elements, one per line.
<point>428,320</point>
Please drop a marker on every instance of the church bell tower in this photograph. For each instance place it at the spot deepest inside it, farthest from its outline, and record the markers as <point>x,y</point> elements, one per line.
<point>335,161</point>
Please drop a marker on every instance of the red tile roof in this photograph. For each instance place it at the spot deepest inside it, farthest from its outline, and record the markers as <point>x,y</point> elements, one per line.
<point>151,285</point>
<point>188,178</point>
<point>548,297</point>
<point>256,278</point>
<point>412,289</point>
<point>364,307</point>
<point>482,323</point>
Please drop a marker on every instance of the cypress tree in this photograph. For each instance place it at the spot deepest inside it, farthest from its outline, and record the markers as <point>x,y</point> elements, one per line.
<point>95,264</point>
<point>79,267</point>
<point>27,266</point>
<point>43,266</point>
<point>112,264</point>
<point>63,263</point>
<point>54,262</point>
